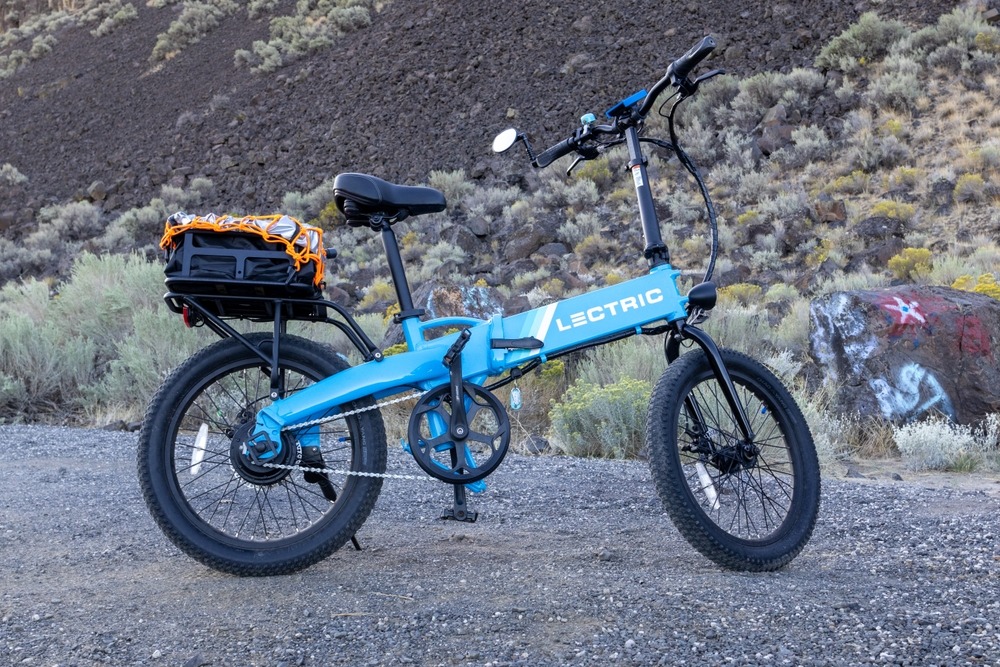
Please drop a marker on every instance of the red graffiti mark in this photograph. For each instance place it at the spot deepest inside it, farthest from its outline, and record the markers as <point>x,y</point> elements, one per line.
<point>904,315</point>
<point>974,339</point>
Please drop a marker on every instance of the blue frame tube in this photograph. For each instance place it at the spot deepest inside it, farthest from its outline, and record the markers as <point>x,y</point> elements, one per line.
<point>561,326</point>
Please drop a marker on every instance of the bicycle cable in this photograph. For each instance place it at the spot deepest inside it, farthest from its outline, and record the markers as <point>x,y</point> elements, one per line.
<point>693,170</point>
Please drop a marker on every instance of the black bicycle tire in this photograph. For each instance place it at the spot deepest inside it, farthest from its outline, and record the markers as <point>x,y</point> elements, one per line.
<point>199,540</point>
<point>734,552</point>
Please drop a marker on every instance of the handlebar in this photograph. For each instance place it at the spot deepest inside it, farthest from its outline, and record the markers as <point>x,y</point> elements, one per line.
<point>550,155</point>
<point>680,68</point>
<point>575,143</point>
<point>678,71</point>
<point>676,75</point>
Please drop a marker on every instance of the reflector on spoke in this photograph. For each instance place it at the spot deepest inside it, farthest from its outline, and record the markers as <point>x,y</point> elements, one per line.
<point>198,454</point>
<point>707,485</point>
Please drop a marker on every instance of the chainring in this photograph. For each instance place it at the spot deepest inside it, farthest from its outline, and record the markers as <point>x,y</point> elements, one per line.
<point>468,460</point>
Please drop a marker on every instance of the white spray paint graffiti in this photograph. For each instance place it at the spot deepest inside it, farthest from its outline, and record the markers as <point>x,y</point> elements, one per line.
<point>916,392</point>
<point>839,324</point>
<point>838,316</point>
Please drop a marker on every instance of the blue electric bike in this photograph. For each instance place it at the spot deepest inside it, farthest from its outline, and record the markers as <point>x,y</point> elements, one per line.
<point>264,453</point>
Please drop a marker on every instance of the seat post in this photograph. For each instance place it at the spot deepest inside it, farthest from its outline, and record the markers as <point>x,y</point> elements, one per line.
<point>398,273</point>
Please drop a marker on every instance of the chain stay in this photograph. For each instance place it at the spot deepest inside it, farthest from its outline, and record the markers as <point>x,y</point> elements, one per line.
<point>342,415</point>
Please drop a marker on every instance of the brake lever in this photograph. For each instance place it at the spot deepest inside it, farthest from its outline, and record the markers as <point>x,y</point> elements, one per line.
<point>708,75</point>
<point>687,87</point>
<point>577,161</point>
<point>585,153</point>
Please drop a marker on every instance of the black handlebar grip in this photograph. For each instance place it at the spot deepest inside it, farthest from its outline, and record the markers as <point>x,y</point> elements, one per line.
<point>680,68</point>
<point>550,155</point>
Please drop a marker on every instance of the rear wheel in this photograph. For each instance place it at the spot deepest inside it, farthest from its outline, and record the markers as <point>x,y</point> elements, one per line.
<point>231,511</point>
<point>745,505</point>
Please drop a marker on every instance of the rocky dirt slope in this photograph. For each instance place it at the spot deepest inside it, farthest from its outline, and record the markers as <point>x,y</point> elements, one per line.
<point>425,86</point>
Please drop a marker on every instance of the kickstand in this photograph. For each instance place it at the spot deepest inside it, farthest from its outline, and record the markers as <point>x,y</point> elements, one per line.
<point>331,494</point>
<point>313,458</point>
<point>460,512</point>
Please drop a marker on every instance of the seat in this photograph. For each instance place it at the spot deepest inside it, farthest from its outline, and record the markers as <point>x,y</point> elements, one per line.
<point>369,195</point>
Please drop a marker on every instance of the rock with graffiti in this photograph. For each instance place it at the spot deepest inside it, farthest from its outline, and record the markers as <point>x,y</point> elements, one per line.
<point>907,352</point>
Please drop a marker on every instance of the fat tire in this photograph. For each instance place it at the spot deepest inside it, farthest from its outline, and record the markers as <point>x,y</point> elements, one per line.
<point>159,477</point>
<point>776,412</point>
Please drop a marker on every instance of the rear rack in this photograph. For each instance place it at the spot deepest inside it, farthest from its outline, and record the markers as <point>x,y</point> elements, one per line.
<point>212,310</point>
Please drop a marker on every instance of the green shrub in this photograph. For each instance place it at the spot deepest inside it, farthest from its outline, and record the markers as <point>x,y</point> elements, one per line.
<point>960,27</point>
<point>9,175</point>
<point>489,203</point>
<point>938,444</point>
<point>868,39</point>
<point>44,361</point>
<point>640,358</point>
<point>796,90</point>
<point>868,150</point>
<point>746,294</point>
<point>809,144</point>
<point>313,26</point>
<point>743,328</point>
<point>308,205</point>
<point>111,15</point>
<point>710,104</point>
<point>986,284</point>
<point>259,8</point>
<point>75,221</point>
<point>854,183</point>
<point>157,343</point>
<point>143,226</point>
<point>605,422</point>
<point>454,184</point>
<point>579,227</point>
<point>904,177</point>
<point>890,208</point>
<point>899,92</point>
<point>196,20</point>
<point>598,171</point>
<point>970,188</point>
<point>911,263</point>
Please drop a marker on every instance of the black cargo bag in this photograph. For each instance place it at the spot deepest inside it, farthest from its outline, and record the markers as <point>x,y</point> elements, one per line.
<point>233,265</point>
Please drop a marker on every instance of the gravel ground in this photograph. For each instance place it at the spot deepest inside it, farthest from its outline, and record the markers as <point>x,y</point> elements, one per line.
<point>571,562</point>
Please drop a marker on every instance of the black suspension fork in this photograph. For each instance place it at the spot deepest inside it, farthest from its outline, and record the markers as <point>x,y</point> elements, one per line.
<point>711,350</point>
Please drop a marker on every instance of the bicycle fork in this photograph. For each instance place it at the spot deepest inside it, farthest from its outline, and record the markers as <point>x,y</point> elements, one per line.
<point>721,373</point>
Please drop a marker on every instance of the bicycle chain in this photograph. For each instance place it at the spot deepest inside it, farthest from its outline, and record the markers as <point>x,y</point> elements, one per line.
<point>343,415</point>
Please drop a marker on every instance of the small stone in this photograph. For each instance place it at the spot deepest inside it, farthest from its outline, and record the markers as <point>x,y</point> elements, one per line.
<point>630,644</point>
<point>854,473</point>
<point>157,654</point>
<point>196,660</point>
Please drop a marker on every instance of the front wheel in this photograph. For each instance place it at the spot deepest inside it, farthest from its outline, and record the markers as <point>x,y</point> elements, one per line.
<point>745,505</point>
<point>238,514</point>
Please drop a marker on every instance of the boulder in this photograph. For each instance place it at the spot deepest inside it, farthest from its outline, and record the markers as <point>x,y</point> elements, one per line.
<point>831,210</point>
<point>909,352</point>
<point>441,300</point>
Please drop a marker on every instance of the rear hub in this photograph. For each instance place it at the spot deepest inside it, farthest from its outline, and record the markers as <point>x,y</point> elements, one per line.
<point>253,460</point>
